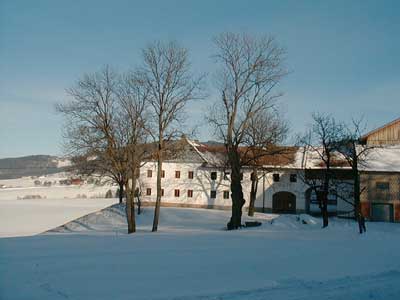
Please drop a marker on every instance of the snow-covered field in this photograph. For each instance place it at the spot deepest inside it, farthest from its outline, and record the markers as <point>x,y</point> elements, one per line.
<point>33,216</point>
<point>25,188</point>
<point>192,257</point>
<point>27,209</point>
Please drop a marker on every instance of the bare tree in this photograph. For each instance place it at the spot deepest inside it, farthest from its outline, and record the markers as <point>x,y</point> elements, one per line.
<point>132,131</point>
<point>356,155</point>
<point>266,130</point>
<point>165,72</point>
<point>250,69</point>
<point>322,140</point>
<point>96,163</point>
<point>105,126</point>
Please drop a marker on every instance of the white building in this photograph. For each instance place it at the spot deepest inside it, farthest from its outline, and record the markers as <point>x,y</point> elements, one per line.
<point>196,178</point>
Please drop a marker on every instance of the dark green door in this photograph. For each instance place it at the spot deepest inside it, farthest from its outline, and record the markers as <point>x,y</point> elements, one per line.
<point>284,202</point>
<point>382,212</point>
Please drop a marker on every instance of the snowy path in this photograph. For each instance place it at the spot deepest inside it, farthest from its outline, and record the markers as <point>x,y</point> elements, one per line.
<point>192,258</point>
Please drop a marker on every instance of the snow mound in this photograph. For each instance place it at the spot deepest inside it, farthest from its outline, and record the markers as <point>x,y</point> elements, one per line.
<point>113,219</point>
<point>307,219</point>
<point>191,220</point>
<point>302,221</point>
<point>110,218</point>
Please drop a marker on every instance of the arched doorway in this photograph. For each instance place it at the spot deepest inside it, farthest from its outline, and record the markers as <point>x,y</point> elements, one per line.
<point>312,204</point>
<point>284,203</point>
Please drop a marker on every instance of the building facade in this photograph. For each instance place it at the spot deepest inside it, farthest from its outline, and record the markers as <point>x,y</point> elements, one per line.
<point>381,197</point>
<point>197,178</point>
<point>380,178</point>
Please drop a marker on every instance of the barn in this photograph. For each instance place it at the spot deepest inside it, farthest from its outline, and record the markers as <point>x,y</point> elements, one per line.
<point>380,178</point>
<point>388,134</point>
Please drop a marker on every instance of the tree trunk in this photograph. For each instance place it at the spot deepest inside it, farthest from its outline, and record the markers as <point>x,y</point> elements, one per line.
<point>130,209</point>
<point>158,199</point>
<point>253,192</point>
<point>236,191</point>
<point>325,219</point>
<point>121,192</point>
<point>130,194</point>
<point>325,193</point>
<point>137,194</point>
<point>357,189</point>
<point>357,204</point>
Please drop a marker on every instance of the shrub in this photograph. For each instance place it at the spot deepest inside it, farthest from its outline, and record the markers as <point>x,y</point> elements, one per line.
<point>31,197</point>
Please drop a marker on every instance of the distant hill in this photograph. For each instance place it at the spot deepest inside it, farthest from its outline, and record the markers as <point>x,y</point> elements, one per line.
<point>33,165</point>
<point>37,165</point>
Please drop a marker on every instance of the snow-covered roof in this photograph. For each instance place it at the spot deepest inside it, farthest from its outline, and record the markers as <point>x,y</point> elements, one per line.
<point>379,159</point>
<point>311,159</point>
<point>383,159</point>
<point>280,156</point>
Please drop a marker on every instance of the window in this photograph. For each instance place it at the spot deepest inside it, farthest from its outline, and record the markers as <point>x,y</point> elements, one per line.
<point>213,194</point>
<point>226,194</point>
<point>293,177</point>
<point>226,175</point>
<point>177,174</point>
<point>313,197</point>
<point>276,177</point>
<point>162,174</point>
<point>316,197</point>
<point>190,193</point>
<point>162,192</point>
<point>149,173</point>
<point>213,175</point>
<point>190,174</point>
<point>382,186</point>
<point>177,192</point>
<point>332,197</point>
<point>382,191</point>
<point>148,192</point>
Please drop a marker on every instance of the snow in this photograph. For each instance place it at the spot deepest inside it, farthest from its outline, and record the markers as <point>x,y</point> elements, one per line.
<point>383,159</point>
<point>193,257</point>
<point>33,216</point>
<point>26,209</point>
<point>25,187</point>
<point>380,159</point>
<point>63,162</point>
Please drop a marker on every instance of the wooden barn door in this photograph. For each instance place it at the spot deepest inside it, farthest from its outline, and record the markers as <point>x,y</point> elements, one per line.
<point>284,203</point>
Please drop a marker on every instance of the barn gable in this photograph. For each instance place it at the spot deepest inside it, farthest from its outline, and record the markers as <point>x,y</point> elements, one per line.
<point>388,134</point>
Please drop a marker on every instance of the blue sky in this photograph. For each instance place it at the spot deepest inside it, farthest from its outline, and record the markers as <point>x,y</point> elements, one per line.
<point>344,56</point>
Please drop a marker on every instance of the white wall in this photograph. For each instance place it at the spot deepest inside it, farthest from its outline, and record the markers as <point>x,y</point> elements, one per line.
<point>298,188</point>
<point>202,185</point>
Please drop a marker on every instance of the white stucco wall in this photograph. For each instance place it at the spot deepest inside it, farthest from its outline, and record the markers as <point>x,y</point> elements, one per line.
<point>284,185</point>
<point>202,185</point>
